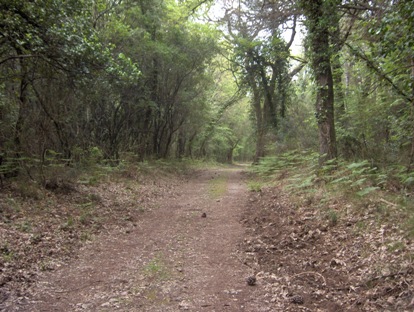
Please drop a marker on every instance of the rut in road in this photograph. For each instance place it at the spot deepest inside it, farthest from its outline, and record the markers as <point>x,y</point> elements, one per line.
<point>173,259</point>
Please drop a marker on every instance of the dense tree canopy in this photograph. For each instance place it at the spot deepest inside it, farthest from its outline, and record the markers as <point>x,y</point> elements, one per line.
<point>103,79</point>
<point>113,76</point>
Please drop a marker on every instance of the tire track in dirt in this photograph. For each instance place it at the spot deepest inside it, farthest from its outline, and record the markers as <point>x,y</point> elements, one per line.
<point>172,260</point>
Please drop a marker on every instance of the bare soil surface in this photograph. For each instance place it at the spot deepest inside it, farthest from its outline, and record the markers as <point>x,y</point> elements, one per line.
<point>177,244</point>
<point>171,258</point>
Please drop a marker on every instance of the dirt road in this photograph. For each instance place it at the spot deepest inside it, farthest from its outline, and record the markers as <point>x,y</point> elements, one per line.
<point>173,258</point>
<point>178,245</point>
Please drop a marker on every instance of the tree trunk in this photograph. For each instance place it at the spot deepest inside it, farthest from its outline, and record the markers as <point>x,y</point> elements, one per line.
<point>318,13</point>
<point>260,126</point>
<point>23,100</point>
<point>181,142</point>
<point>412,109</point>
<point>325,115</point>
<point>260,145</point>
<point>260,132</point>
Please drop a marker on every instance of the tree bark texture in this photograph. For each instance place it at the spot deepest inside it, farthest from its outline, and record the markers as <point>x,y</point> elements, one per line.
<point>317,15</point>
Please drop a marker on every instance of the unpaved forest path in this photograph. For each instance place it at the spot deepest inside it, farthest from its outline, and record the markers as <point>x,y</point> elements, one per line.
<point>173,259</point>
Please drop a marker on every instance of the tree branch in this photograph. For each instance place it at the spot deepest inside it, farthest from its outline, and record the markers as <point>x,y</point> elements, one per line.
<point>292,37</point>
<point>101,14</point>
<point>377,69</point>
<point>199,5</point>
<point>296,70</point>
<point>358,7</point>
<point>14,57</point>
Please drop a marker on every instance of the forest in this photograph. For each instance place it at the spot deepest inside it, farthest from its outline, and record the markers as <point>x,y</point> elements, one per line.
<point>107,81</point>
<point>226,155</point>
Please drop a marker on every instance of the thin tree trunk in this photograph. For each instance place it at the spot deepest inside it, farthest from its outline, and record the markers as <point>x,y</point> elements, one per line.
<point>260,126</point>
<point>22,107</point>
<point>260,145</point>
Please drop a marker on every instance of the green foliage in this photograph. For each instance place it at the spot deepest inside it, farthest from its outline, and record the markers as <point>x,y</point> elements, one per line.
<point>6,253</point>
<point>332,217</point>
<point>110,78</point>
<point>367,190</point>
<point>377,122</point>
<point>68,224</point>
<point>395,247</point>
<point>409,225</point>
<point>25,226</point>
<point>298,130</point>
<point>83,83</point>
<point>285,161</point>
<point>359,178</point>
<point>255,186</point>
<point>404,176</point>
<point>259,60</point>
<point>343,189</point>
<point>156,268</point>
<point>9,165</point>
<point>13,206</point>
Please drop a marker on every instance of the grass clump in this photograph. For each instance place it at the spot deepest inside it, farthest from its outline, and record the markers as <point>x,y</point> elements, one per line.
<point>6,253</point>
<point>255,186</point>
<point>332,216</point>
<point>156,268</point>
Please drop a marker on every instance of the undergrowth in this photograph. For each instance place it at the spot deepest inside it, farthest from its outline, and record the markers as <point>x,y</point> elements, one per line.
<point>362,185</point>
<point>59,175</point>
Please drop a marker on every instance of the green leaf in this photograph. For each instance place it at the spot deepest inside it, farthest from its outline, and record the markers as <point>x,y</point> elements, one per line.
<point>367,190</point>
<point>358,182</point>
<point>357,165</point>
<point>341,180</point>
<point>409,181</point>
